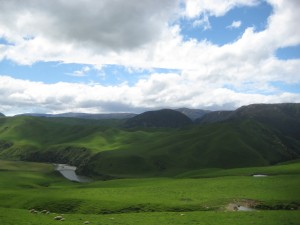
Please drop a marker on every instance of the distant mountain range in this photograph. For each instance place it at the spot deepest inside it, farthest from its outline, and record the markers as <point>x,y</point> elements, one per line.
<point>193,114</point>
<point>198,115</point>
<point>99,116</point>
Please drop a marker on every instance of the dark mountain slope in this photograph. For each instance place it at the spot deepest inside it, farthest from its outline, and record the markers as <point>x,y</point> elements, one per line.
<point>280,111</point>
<point>165,118</point>
<point>285,117</point>
<point>282,119</point>
<point>193,114</point>
<point>2,115</point>
<point>270,110</point>
<point>215,116</point>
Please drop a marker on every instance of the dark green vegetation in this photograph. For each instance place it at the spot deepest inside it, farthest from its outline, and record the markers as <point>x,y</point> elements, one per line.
<point>284,117</point>
<point>193,114</point>
<point>257,135</point>
<point>165,118</point>
<point>167,201</point>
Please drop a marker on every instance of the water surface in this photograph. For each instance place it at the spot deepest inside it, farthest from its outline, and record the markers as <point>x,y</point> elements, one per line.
<point>69,173</point>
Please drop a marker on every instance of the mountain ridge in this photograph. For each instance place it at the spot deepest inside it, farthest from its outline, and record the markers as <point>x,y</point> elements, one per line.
<point>95,116</point>
<point>193,114</point>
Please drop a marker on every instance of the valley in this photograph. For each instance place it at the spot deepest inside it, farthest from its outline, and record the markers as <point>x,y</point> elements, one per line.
<point>159,167</point>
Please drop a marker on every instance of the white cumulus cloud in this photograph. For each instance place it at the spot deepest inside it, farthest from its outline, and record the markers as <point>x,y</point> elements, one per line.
<point>105,25</point>
<point>235,24</point>
<point>80,73</point>
<point>202,22</point>
<point>157,91</point>
<point>194,8</point>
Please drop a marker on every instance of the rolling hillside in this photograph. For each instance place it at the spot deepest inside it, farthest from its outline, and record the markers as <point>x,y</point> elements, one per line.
<point>285,116</point>
<point>226,145</point>
<point>283,119</point>
<point>108,148</point>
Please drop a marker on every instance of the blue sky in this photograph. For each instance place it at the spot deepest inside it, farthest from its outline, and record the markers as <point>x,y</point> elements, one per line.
<point>53,72</point>
<point>220,32</point>
<point>191,53</point>
<point>292,52</point>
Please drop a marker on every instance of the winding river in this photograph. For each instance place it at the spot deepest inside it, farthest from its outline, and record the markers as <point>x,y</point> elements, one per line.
<point>69,173</point>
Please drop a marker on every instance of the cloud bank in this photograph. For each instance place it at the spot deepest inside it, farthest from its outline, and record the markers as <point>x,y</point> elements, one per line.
<point>157,91</point>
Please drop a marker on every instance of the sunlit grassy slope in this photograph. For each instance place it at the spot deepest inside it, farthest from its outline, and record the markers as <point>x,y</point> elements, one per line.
<point>103,147</point>
<point>158,200</point>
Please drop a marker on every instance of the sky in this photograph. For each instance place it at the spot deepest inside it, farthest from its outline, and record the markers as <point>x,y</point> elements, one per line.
<point>132,56</point>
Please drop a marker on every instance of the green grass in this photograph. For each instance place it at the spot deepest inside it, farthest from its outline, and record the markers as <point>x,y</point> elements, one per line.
<point>287,168</point>
<point>25,166</point>
<point>23,217</point>
<point>148,201</point>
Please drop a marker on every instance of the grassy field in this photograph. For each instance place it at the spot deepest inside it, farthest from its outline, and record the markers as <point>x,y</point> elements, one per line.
<point>22,217</point>
<point>198,197</point>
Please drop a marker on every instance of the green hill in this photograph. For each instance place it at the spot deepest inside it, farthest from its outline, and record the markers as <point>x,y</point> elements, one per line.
<point>225,145</point>
<point>105,148</point>
<point>283,117</point>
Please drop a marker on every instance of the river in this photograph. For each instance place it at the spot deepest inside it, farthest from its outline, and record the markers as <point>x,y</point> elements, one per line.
<point>69,173</point>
